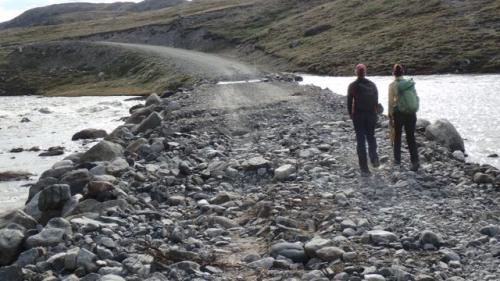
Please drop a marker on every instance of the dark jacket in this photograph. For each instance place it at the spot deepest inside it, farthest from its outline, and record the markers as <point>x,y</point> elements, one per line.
<point>362,97</point>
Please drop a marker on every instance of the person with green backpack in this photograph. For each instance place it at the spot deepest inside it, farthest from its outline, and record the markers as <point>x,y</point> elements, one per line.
<point>403,108</point>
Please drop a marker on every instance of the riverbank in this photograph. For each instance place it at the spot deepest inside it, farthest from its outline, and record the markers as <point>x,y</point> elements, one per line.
<point>252,181</point>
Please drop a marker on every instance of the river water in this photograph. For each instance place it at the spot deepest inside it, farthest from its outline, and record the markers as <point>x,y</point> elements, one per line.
<point>470,102</point>
<point>63,117</point>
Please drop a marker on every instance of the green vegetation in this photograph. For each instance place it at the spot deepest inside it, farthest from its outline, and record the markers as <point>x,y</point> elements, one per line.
<point>316,36</point>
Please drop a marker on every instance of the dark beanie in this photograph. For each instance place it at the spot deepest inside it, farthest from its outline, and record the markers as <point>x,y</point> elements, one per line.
<point>398,70</point>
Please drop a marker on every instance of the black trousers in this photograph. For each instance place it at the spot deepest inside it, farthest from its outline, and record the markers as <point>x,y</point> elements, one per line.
<point>408,122</point>
<point>364,125</point>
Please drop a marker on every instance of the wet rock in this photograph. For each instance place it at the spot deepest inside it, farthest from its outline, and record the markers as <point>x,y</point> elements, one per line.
<point>494,155</point>
<point>445,133</point>
<point>151,122</point>
<point>293,251</point>
<point>10,245</point>
<point>16,150</point>
<point>53,151</point>
<point>89,134</point>
<point>103,151</point>
<point>25,120</point>
<point>283,172</point>
<point>14,176</point>
<point>44,110</point>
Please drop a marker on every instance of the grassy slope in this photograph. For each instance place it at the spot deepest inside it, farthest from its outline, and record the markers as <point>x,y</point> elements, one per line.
<point>435,36</point>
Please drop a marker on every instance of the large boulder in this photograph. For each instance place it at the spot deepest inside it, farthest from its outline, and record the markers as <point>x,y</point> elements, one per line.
<point>445,133</point>
<point>18,217</point>
<point>152,121</point>
<point>55,232</point>
<point>39,186</point>
<point>153,99</point>
<point>11,241</point>
<point>77,180</point>
<point>103,151</point>
<point>11,273</point>
<point>89,134</point>
<point>51,201</point>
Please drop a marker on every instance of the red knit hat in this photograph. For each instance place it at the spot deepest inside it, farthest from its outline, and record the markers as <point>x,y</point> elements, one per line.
<point>398,70</point>
<point>360,70</point>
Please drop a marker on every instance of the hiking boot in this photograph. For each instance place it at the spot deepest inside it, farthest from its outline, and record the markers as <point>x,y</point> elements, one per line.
<point>376,164</point>
<point>415,167</point>
<point>365,173</point>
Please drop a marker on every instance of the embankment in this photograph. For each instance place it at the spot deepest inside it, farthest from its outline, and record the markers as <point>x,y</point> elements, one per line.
<point>252,181</point>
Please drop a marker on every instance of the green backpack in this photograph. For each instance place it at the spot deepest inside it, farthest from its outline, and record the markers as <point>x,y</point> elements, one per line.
<point>408,101</point>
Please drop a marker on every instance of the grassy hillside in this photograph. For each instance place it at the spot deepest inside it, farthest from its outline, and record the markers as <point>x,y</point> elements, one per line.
<point>316,36</point>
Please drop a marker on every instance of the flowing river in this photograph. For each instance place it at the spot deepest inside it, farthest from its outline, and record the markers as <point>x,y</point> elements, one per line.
<point>52,122</point>
<point>470,102</point>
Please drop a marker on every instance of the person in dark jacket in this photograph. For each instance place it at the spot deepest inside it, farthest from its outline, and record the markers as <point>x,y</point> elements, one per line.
<point>362,104</point>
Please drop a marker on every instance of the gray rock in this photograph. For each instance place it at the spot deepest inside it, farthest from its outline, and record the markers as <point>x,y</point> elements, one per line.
<point>374,277</point>
<point>18,217</point>
<point>11,241</point>
<point>459,155</point>
<point>482,178</point>
<point>11,273</point>
<point>30,256</point>
<point>151,122</point>
<point>429,237</point>
<point>255,163</point>
<point>138,264</point>
<point>490,230</point>
<point>315,244</point>
<point>134,145</point>
<point>330,253</point>
<point>422,124</point>
<point>76,180</point>
<point>103,151</point>
<point>86,259</point>
<point>47,237</point>
<point>265,263</point>
<point>153,99</point>
<point>187,266</point>
<point>283,172</point>
<point>117,167</point>
<point>52,199</point>
<point>293,251</point>
<point>89,134</point>
<point>382,236</point>
<point>449,255</point>
<point>111,277</point>
<point>445,133</point>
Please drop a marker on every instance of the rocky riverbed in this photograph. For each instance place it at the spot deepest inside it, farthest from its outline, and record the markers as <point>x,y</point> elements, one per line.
<point>254,181</point>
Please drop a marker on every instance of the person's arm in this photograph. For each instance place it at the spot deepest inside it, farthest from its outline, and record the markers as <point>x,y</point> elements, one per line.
<point>350,99</point>
<point>376,99</point>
